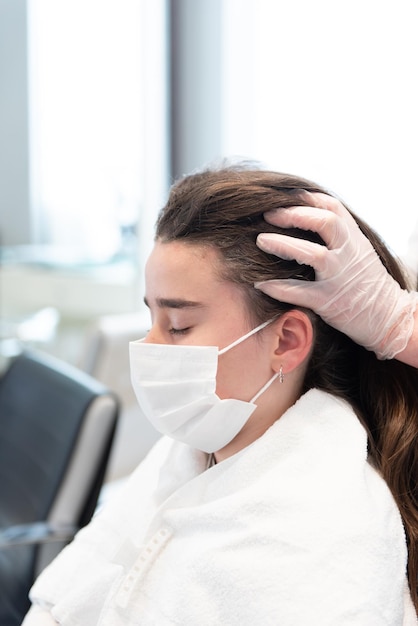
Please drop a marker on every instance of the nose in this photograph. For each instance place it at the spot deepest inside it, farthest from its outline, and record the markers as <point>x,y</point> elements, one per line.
<point>154,335</point>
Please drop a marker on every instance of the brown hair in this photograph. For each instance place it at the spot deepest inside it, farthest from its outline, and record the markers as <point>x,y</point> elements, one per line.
<point>224,208</point>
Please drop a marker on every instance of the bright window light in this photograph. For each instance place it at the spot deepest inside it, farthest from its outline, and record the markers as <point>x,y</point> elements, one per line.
<point>326,90</point>
<point>91,122</point>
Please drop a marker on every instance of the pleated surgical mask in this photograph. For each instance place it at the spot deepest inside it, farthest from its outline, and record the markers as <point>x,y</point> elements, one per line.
<point>175,387</point>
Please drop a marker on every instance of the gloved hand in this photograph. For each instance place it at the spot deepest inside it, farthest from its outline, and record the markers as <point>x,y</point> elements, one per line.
<point>352,292</point>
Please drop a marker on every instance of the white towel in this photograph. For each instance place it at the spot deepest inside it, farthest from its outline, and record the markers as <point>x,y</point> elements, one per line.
<point>296,529</point>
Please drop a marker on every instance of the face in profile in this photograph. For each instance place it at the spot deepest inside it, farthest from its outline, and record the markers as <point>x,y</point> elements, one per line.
<point>191,305</point>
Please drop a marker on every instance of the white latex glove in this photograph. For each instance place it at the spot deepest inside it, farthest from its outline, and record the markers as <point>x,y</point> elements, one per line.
<point>352,292</point>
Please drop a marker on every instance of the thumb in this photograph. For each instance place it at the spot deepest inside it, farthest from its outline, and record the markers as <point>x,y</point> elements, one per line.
<point>298,292</point>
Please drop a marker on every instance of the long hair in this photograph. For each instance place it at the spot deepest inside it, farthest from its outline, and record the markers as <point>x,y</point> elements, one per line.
<point>224,208</point>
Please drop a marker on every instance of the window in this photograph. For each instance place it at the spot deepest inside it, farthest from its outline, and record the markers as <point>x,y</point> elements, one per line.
<point>84,150</point>
<point>96,123</point>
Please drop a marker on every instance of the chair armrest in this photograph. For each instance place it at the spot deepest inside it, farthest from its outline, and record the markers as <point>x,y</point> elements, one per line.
<point>35,533</point>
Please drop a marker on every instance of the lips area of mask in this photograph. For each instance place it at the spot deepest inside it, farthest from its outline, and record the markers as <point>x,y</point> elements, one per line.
<point>175,388</point>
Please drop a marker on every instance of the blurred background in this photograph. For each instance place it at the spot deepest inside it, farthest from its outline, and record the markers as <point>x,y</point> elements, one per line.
<point>103,103</point>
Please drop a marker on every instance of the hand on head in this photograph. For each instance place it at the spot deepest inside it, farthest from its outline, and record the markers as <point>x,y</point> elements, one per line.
<point>352,292</point>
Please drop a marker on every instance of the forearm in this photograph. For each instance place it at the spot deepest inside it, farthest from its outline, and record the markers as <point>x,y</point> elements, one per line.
<point>410,354</point>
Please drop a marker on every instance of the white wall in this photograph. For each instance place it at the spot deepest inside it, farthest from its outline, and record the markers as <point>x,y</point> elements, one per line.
<point>327,90</point>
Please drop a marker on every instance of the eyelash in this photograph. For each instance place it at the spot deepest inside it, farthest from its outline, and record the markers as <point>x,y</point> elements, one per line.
<point>178,331</point>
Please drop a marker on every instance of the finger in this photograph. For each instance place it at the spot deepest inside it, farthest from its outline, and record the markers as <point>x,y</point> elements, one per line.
<point>333,205</point>
<point>292,249</point>
<point>297,292</point>
<point>327,202</point>
<point>332,229</point>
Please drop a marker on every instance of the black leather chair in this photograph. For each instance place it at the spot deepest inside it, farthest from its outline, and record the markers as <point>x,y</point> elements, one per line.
<point>57,426</point>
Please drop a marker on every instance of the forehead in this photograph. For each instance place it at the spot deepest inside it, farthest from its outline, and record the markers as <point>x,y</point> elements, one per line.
<point>184,270</point>
<point>180,256</point>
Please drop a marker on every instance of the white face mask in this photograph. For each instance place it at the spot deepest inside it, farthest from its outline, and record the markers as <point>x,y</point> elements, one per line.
<point>175,387</point>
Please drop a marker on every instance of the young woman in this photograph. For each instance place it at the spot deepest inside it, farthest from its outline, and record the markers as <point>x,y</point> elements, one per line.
<point>285,489</point>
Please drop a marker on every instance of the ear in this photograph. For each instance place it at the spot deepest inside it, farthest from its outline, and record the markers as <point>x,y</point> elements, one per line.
<point>294,339</point>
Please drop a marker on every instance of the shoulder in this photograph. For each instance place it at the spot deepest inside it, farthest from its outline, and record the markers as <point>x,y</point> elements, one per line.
<point>316,456</point>
<point>325,422</point>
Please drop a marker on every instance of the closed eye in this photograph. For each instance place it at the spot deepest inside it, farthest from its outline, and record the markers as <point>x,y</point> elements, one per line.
<point>179,331</point>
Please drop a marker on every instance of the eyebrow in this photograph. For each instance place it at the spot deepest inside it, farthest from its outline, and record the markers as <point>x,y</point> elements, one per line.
<point>175,303</point>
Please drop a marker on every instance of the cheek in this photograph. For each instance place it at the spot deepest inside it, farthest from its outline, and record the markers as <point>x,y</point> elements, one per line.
<point>225,378</point>
<point>241,375</point>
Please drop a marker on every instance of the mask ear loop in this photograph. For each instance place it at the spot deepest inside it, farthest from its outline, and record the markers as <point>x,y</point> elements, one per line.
<point>244,337</point>
<point>266,386</point>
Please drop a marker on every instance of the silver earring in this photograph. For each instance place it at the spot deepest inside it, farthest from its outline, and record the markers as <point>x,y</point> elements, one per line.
<point>281,375</point>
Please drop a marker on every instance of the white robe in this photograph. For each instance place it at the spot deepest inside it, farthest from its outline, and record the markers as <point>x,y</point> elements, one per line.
<point>295,529</point>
